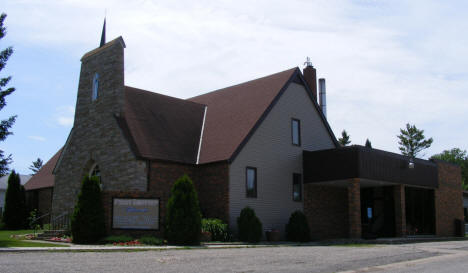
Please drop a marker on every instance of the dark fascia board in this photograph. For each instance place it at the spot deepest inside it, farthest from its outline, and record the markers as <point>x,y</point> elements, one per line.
<point>297,75</point>
<point>319,110</point>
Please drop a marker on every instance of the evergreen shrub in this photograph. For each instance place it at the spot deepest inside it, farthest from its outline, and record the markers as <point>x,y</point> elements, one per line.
<point>87,221</point>
<point>249,226</point>
<point>183,217</point>
<point>15,213</point>
<point>297,229</point>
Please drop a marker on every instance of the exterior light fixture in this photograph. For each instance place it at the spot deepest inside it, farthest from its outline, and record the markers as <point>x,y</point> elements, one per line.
<point>411,163</point>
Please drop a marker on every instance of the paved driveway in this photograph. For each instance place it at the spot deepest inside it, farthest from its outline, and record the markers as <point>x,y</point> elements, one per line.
<point>390,258</point>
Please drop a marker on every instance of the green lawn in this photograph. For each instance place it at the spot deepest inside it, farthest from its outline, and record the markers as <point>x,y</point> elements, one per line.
<point>7,241</point>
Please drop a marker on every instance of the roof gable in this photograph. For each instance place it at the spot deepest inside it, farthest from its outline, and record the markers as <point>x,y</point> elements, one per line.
<point>234,111</point>
<point>161,127</point>
<point>44,178</point>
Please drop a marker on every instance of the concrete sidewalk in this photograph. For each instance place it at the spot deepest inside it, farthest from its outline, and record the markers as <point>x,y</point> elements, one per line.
<point>69,247</point>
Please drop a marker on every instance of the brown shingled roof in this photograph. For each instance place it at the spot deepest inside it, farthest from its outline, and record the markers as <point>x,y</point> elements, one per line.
<point>44,177</point>
<point>233,112</point>
<point>162,127</point>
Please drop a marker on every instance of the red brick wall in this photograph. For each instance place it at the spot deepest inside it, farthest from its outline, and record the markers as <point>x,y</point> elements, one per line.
<point>40,199</point>
<point>354,208</point>
<point>212,184</point>
<point>448,199</point>
<point>210,181</point>
<point>326,208</point>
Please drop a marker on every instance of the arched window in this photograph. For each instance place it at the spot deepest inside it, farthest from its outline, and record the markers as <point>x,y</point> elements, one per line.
<point>95,171</point>
<point>95,93</point>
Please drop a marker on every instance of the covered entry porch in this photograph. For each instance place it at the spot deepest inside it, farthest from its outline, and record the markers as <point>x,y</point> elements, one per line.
<point>357,192</point>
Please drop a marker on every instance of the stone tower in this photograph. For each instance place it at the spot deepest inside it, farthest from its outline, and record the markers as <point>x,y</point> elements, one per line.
<point>96,142</point>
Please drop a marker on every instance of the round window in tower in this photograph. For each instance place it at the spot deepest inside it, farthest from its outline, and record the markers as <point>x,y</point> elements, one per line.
<point>95,93</point>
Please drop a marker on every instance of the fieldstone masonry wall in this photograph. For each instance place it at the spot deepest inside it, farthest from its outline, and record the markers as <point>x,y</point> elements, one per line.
<point>96,137</point>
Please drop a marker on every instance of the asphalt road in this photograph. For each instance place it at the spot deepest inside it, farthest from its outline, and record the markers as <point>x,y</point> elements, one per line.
<point>424,257</point>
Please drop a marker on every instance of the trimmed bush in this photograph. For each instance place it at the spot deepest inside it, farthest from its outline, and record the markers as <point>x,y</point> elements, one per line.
<point>150,240</point>
<point>249,226</point>
<point>297,229</point>
<point>87,221</point>
<point>183,217</point>
<point>15,215</point>
<point>218,229</point>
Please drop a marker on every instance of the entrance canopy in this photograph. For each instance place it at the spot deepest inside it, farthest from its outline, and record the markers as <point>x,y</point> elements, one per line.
<point>369,164</point>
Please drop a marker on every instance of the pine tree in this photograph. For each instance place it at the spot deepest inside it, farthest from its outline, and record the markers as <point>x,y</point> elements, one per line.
<point>6,123</point>
<point>87,222</point>
<point>412,141</point>
<point>183,217</point>
<point>15,213</point>
<point>344,139</point>
<point>36,166</point>
<point>368,144</point>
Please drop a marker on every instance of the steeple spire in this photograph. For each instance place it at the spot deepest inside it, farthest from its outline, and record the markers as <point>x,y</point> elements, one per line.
<point>103,35</point>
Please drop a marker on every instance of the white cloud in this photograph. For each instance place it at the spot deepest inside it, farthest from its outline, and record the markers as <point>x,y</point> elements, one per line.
<point>65,115</point>
<point>386,62</point>
<point>37,138</point>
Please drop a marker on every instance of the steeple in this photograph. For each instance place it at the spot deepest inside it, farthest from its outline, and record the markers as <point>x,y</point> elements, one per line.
<point>103,35</point>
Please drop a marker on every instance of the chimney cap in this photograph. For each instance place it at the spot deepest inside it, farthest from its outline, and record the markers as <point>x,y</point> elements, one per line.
<point>308,62</point>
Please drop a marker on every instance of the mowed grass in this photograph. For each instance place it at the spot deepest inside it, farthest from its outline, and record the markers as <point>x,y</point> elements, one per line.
<point>7,241</point>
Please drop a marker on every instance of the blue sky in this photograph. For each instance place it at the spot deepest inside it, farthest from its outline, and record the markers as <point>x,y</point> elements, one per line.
<point>386,62</point>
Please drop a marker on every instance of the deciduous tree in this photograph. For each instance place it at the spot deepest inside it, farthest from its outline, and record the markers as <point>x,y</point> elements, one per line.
<point>457,156</point>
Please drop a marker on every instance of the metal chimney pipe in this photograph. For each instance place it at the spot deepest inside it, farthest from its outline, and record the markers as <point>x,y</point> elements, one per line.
<point>323,96</point>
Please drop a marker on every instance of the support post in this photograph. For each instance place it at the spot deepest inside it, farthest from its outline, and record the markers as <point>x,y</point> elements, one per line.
<point>354,209</point>
<point>400,210</point>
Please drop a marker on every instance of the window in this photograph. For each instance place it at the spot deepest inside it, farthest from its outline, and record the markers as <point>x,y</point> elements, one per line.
<point>296,132</point>
<point>95,93</point>
<point>251,181</point>
<point>95,171</point>
<point>297,187</point>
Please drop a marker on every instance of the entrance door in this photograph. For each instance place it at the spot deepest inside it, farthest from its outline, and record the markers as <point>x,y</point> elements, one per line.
<point>420,212</point>
<point>377,212</point>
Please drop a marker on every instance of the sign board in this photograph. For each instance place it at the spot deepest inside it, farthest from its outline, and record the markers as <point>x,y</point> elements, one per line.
<point>135,213</point>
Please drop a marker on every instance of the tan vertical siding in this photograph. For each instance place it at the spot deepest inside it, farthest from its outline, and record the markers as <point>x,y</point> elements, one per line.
<point>270,150</point>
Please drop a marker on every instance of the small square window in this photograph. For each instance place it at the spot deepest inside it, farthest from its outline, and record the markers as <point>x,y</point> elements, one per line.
<point>297,187</point>
<point>296,132</point>
<point>251,181</point>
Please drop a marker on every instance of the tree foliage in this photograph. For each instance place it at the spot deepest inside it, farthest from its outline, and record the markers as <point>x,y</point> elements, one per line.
<point>5,124</point>
<point>183,217</point>
<point>36,165</point>
<point>368,144</point>
<point>87,221</point>
<point>15,214</point>
<point>412,141</point>
<point>344,140</point>
<point>249,226</point>
<point>456,156</point>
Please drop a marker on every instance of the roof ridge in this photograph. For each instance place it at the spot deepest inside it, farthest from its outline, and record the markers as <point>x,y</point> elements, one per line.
<point>246,82</point>
<point>132,89</point>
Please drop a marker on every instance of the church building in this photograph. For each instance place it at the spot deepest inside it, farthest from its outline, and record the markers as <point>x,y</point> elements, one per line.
<point>265,144</point>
